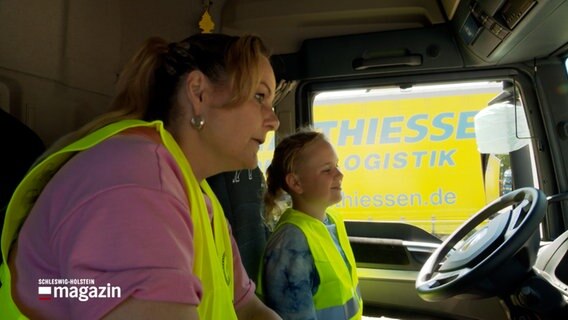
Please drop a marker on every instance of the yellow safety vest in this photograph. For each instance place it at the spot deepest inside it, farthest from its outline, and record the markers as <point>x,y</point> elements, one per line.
<point>338,295</point>
<point>213,258</point>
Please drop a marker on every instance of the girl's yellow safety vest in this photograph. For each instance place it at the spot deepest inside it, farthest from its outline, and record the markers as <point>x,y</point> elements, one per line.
<point>338,295</point>
<point>213,257</point>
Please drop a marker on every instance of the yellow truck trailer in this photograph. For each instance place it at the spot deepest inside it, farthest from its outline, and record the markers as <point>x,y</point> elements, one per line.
<point>409,155</point>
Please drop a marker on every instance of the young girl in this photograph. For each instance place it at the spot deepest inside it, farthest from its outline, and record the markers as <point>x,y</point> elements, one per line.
<point>308,267</point>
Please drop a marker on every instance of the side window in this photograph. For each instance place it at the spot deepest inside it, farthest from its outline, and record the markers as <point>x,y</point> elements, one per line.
<point>266,152</point>
<point>428,155</point>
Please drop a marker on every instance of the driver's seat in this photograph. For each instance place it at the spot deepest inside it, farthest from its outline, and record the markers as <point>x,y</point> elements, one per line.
<point>552,261</point>
<point>240,193</point>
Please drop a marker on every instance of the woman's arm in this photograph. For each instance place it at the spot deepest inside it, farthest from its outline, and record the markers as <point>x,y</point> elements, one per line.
<point>255,309</point>
<point>133,308</point>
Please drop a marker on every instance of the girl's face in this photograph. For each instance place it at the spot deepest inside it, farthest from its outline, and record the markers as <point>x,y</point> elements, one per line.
<point>238,131</point>
<point>318,174</point>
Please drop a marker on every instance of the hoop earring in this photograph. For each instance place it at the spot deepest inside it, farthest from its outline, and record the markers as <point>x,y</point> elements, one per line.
<point>197,122</point>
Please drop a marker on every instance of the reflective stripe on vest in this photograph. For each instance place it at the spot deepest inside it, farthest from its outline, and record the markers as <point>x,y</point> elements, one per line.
<point>338,294</point>
<point>347,311</point>
<point>213,258</point>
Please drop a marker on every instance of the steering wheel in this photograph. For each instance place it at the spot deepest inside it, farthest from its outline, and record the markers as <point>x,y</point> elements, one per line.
<point>479,263</point>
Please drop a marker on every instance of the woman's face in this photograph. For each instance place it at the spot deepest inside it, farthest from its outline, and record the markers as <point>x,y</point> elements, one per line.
<point>236,132</point>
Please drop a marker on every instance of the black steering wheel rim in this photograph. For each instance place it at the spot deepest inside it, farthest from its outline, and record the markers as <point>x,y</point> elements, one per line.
<point>446,275</point>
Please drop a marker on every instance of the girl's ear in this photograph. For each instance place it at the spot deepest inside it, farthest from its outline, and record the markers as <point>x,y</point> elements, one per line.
<point>294,184</point>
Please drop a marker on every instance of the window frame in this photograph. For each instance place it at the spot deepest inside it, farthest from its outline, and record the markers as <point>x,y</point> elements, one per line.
<point>520,74</point>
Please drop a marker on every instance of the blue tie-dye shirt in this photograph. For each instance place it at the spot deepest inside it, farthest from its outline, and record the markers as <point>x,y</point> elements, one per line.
<point>290,278</point>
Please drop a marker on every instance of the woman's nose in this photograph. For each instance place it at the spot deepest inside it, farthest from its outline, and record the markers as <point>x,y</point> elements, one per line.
<point>271,120</point>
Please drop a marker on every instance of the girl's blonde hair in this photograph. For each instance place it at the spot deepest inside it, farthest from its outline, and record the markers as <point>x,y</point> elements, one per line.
<point>150,80</point>
<point>286,156</point>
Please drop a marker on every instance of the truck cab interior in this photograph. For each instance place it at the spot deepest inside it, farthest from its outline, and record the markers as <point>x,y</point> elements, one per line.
<point>487,77</point>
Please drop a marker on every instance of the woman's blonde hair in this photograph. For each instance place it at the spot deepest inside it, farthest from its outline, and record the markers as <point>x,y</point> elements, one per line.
<point>150,80</point>
<point>286,156</point>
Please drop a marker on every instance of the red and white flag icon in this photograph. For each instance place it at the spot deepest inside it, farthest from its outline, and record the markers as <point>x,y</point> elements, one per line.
<point>44,293</point>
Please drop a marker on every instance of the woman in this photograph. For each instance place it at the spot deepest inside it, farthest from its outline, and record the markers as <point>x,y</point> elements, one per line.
<point>308,270</point>
<point>126,204</point>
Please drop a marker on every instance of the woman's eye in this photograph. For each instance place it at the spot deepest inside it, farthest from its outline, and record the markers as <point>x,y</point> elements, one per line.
<point>259,97</point>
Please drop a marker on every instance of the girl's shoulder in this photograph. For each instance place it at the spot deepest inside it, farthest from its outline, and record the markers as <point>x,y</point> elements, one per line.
<point>288,236</point>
